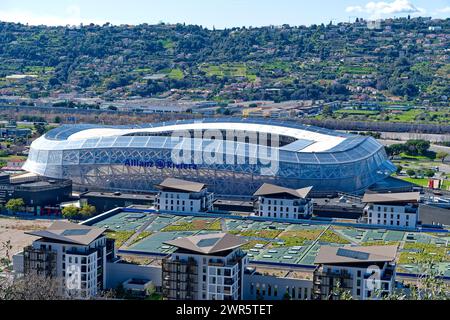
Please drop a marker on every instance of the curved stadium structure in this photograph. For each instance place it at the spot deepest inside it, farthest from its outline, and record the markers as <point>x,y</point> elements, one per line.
<point>135,158</point>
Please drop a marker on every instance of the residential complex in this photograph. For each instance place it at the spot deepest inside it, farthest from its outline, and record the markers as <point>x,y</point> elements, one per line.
<point>392,209</point>
<point>204,266</point>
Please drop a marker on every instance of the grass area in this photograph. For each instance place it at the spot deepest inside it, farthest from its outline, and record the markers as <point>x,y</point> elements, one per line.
<point>176,74</point>
<point>119,236</point>
<point>265,234</point>
<point>194,226</point>
<point>252,243</point>
<point>141,236</point>
<point>298,237</point>
<point>403,155</point>
<point>379,243</point>
<point>421,253</point>
<point>168,44</point>
<point>330,236</point>
<point>423,182</point>
<point>228,70</point>
<point>358,112</point>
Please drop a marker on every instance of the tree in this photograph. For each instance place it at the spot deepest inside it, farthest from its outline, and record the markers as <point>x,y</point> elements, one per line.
<point>429,173</point>
<point>399,169</point>
<point>70,212</point>
<point>29,287</point>
<point>442,155</point>
<point>430,285</point>
<point>40,128</point>
<point>417,147</point>
<point>327,111</point>
<point>410,172</point>
<point>87,211</point>
<point>15,205</point>
<point>395,149</point>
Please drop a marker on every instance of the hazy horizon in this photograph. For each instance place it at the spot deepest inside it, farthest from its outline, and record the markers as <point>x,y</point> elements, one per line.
<point>217,14</point>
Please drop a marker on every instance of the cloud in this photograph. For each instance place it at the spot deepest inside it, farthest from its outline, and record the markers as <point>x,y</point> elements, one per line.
<point>72,16</point>
<point>444,10</point>
<point>380,9</point>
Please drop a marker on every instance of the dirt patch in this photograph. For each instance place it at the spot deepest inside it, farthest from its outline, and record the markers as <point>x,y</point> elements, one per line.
<point>14,230</point>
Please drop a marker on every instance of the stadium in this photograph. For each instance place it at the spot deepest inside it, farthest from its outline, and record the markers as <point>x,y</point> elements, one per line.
<point>136,158</point>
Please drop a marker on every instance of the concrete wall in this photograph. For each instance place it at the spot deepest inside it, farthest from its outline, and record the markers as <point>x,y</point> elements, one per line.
<point>118,273</point>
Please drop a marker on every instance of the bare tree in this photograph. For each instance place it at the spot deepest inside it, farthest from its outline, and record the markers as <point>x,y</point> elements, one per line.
<point>28,287</point>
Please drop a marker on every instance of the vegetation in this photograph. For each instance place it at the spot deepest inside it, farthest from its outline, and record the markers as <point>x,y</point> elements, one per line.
<point>263,234</point>
<point>329,62</point>
<point>73,213</point>
<point>119,236</point>
<point>15,205</point>
<point>299,237</point>
<point>141,236</point>
<point>198,224</point>
<point>421,253</point>
<point>330,236</point>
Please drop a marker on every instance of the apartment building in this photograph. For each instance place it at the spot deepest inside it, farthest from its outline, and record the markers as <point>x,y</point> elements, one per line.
<point>177,195</point>
<point>205,267</point>
<point>283,203</point>
<point>72,253</point>
<point>363,272</point>
<point>392,209</point>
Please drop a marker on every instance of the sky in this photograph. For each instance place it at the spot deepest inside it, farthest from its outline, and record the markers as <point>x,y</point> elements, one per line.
<point>217,14</point>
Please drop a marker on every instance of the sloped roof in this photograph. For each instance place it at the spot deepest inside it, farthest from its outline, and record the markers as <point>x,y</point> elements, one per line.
<point>182,185</point>
<point>348,254</point>
<point>391,197</point>
<point>69,232</point>
<point>271,189</point>
<point>208,243</point>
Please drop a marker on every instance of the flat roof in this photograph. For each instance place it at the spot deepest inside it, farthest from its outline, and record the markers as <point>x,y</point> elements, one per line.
<point>391,197</point>
<point>182,185</point>
<point>208,243</point>
<point>115,195</point>
<point>270,189</point>
<point>69,232</point>
<point>348,254</point>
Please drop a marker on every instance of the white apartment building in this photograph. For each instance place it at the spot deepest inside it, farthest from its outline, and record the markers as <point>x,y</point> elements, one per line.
<point>205,267</point>
<point>392,209</point>
<point>283,203</point>
<point>367,273</point>
<point>177,195</point>
<point>75,254</point>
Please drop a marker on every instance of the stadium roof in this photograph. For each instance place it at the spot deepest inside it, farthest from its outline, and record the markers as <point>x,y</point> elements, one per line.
<point>69,232</point>
<point>270,189</point>
<point>330,255</point>
<point>181,185</point>
<point>391,197</point>
<point>310,139</point>
<point>208,243</point>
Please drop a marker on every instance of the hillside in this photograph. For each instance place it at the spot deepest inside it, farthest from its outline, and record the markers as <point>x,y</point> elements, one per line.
<point>402,59</point>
